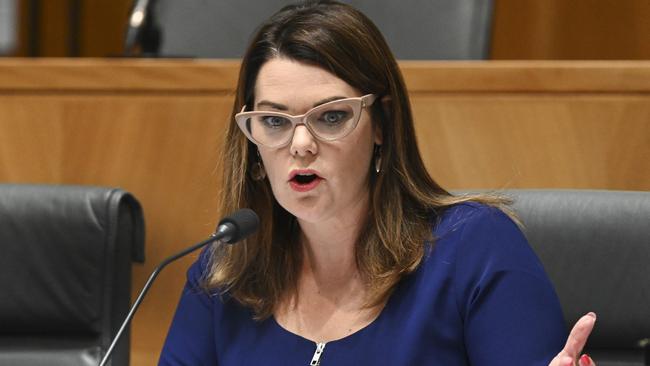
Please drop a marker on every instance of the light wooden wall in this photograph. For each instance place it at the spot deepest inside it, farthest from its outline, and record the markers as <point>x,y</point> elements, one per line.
<point>155,127</point>
<point>533,124</point>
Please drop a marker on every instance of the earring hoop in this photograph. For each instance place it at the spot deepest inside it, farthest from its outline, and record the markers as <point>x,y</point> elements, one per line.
<point>257,169</point>
<point>377,157</point>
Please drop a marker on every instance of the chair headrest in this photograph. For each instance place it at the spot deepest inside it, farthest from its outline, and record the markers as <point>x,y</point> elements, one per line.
<point>58,245</point>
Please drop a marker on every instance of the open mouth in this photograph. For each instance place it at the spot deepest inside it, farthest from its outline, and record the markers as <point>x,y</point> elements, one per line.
<point>304,179</point>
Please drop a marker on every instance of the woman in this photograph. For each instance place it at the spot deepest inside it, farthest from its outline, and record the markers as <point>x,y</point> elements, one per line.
<point>361,258</point>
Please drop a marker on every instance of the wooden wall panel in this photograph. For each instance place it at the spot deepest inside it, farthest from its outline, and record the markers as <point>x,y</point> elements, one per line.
<point>571,30</point>
<point>103,27</point>
<point>155,128</point>
<point>100,32</point>
<point>54,30</point>
<point>536,141</point>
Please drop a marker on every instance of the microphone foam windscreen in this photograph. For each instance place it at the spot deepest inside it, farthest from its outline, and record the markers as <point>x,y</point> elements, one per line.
<point>245,220</point>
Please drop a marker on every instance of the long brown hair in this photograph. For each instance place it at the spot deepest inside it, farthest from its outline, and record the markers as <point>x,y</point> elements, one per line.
<point>403,200</point>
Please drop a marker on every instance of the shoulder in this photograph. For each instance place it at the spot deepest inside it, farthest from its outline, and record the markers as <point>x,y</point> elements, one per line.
<point>485,247</point>
<point>467,215</point>
<point>471,219</point>
<point>199,270</point>
<point>198,275</point>
<point>199,300</point>
<point>478,237</point>
<point>499,287</point>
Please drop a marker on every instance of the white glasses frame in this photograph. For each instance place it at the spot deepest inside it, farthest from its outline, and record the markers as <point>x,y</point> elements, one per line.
<point>357,104</point>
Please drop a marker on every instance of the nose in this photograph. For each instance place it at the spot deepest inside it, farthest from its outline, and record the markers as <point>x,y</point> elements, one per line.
<point>303,142</point>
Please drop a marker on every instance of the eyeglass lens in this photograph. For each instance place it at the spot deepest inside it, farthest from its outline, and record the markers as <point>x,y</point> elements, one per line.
<point>328,122</point>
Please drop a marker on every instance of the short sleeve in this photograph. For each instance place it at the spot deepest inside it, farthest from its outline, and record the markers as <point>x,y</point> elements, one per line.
<point>191,339</point>
<point>510,310</point>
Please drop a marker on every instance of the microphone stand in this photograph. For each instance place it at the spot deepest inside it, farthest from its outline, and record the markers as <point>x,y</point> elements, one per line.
<point>231,229</point>
<point>221,234</point>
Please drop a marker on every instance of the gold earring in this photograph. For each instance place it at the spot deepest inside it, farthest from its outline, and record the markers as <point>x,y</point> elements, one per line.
<point>377,158</point>
<point>257,170</point>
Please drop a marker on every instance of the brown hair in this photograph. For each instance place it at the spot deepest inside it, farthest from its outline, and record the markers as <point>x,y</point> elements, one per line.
<point>403,198</point>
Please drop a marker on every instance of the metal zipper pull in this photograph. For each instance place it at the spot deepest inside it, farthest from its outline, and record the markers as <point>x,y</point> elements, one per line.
<point>315,360</point>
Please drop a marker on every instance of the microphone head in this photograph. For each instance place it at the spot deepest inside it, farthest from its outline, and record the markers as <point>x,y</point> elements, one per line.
<point>245,222</point>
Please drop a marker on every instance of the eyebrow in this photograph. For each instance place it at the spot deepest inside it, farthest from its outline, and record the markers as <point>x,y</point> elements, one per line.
<point>283,107</point>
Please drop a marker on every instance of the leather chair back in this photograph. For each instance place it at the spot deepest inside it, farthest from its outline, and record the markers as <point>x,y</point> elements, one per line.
<point>595,246</point>
<point>65,272</point>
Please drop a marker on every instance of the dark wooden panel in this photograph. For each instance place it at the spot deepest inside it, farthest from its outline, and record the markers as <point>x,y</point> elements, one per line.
<point>576,29</point>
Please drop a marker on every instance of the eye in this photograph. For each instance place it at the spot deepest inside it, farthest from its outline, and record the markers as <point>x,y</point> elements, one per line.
<point>333,117</point>
<point>274,121</point>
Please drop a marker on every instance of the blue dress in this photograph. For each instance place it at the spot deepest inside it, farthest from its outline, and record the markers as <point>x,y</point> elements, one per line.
<point>480,297</point>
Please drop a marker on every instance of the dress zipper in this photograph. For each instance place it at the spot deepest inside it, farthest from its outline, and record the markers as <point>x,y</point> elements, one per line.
<point>315,360</point>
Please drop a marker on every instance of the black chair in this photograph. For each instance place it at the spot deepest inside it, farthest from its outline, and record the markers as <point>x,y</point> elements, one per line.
<point>65,272</point>
<point>595,246</point>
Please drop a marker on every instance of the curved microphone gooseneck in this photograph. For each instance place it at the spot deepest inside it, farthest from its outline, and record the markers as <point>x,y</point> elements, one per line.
<point>231,229</point>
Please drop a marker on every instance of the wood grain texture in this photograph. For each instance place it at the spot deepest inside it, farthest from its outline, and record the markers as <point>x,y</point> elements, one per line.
<point>54,32</point>
<point>571,30</point>
<point>154,128</point>
<point>102,27</point>
<point>115,75</point>
<point>143,75</point>
<point>536,141</point>
<point>529,76</point>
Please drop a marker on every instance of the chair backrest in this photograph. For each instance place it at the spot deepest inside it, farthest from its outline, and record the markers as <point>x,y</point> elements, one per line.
<point>414,29</point>
<point>595,246</point>
<point>65,272</point>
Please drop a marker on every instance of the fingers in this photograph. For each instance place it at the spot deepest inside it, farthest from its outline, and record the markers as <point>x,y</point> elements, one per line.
<point>585,360</point>
<point>578,336</point>
<point>560,360</point>
<point>575,343</point>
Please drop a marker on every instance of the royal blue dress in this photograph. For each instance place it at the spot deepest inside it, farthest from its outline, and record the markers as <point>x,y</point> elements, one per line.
<point>480,297</point>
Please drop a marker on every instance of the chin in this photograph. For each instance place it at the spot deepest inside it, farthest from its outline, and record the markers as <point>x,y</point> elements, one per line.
<point>310,209</point>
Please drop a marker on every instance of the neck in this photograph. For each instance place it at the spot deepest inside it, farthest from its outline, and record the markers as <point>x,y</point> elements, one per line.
<point>329,246</point>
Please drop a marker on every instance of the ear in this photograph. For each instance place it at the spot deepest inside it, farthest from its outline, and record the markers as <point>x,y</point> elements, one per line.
<point>386,107</point>
<point>378,135</point>
<point>386,104</point>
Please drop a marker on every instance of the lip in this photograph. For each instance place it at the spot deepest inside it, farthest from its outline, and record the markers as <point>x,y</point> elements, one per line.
<point>294,172</point>
<point>304,187</point>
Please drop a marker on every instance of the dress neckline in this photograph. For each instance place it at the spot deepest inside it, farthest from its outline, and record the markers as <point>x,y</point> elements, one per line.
<point>349,337</point>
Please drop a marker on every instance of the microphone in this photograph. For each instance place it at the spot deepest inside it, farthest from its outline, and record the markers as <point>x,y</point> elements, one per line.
<point>136,21</point>
<point>142,29</point>
<point>230,229</point>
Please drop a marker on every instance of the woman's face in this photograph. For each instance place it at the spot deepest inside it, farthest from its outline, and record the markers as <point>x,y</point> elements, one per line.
<point>314,180</point>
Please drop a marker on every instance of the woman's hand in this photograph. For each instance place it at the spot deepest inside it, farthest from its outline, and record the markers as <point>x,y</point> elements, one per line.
<point>575,343</point>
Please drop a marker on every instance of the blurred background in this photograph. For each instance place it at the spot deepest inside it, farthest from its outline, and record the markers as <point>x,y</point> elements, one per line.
<point>516,29</point>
